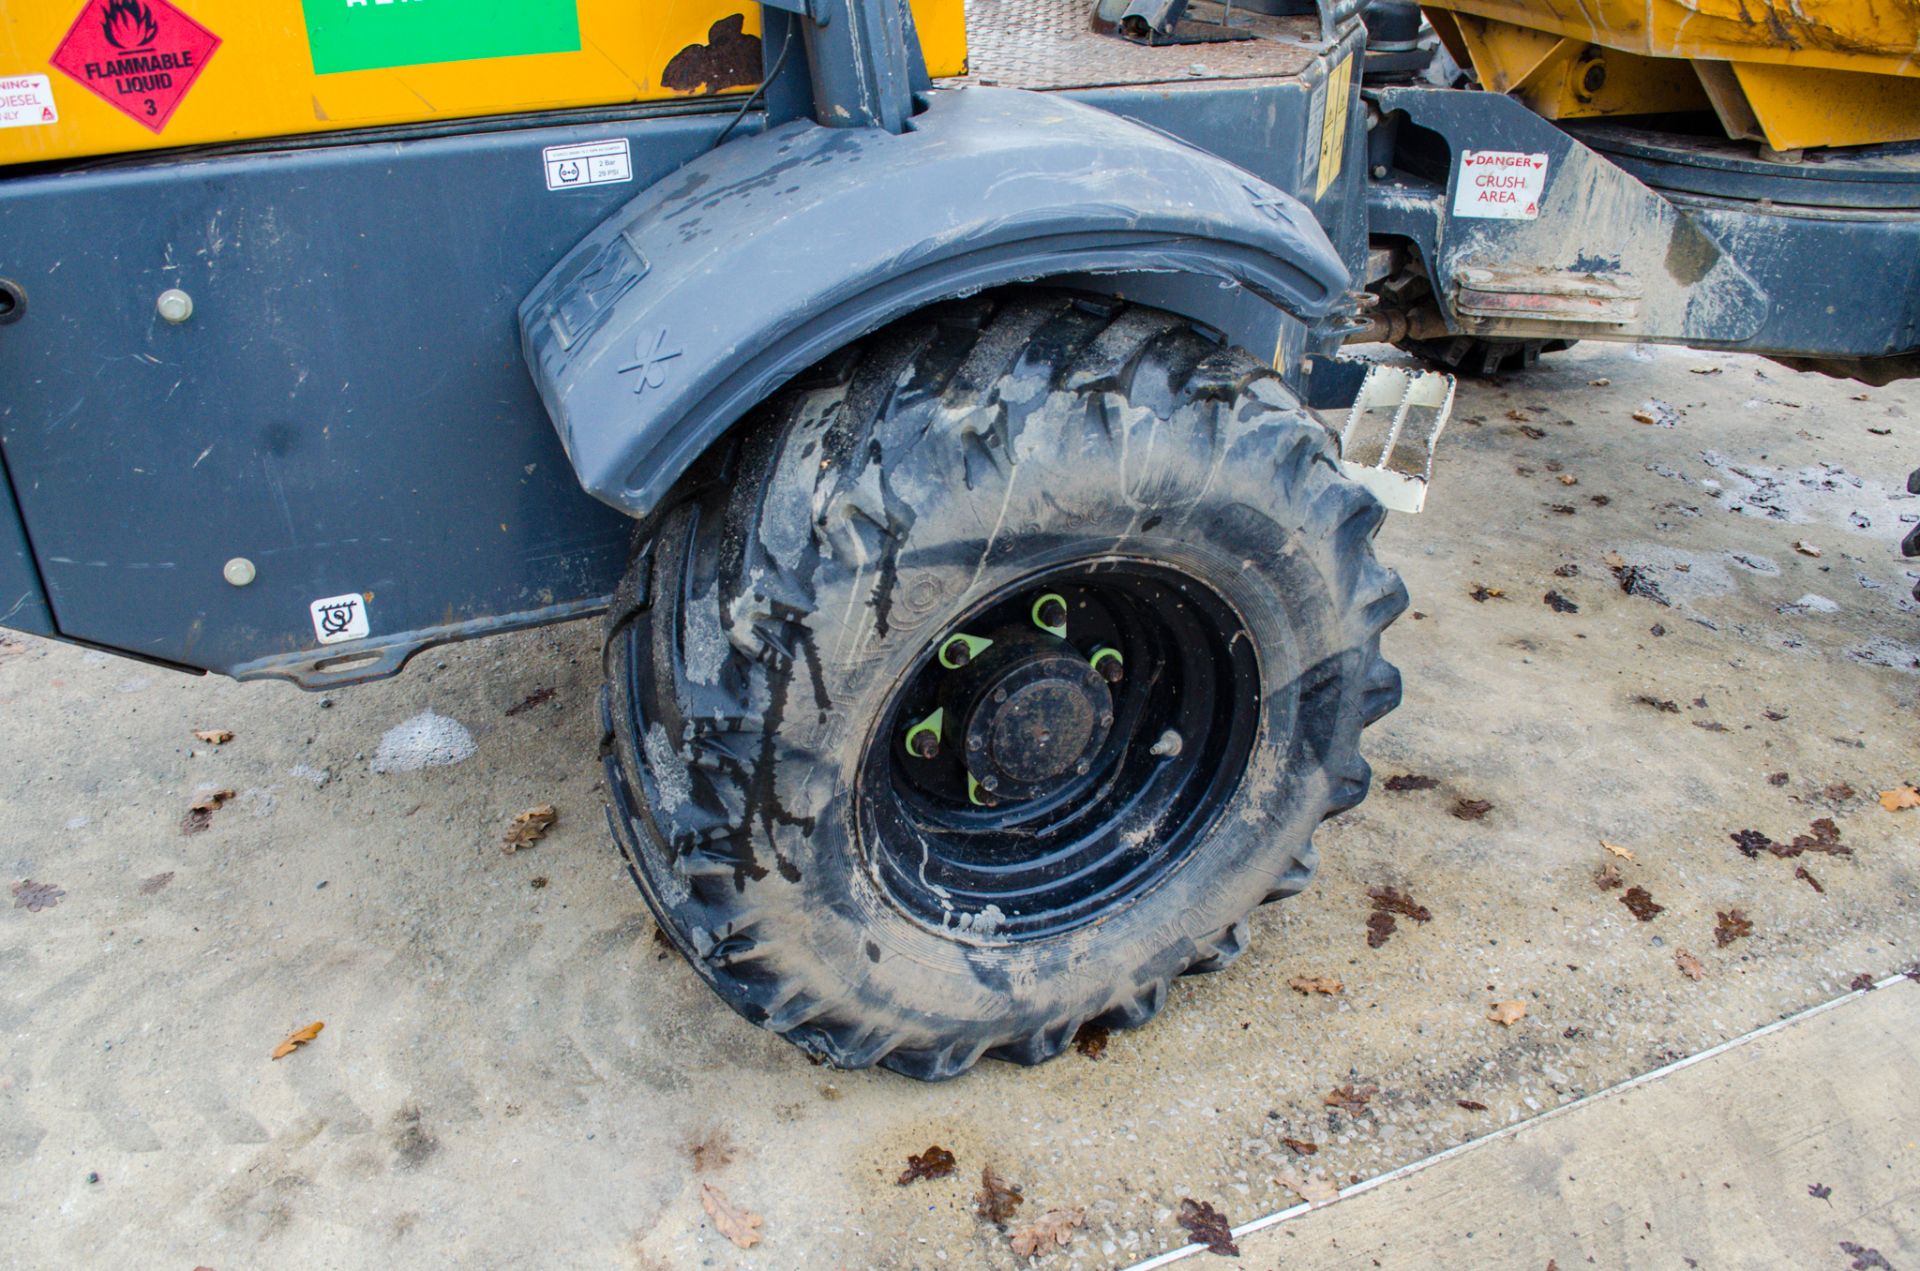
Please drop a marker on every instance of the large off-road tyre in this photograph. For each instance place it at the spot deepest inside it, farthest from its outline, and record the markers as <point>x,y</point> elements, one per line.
<point>986,467</point>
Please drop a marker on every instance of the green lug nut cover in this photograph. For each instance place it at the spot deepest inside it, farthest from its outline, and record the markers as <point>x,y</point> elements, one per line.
<point>950,656</point>
<point>1051,628</point>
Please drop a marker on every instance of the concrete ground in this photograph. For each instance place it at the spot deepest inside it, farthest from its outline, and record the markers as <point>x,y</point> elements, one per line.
<point>1795,1147</point>
<point>514,1074</point>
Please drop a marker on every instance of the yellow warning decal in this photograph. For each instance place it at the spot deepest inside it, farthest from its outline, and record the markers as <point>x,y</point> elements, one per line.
<point>1333,124</point>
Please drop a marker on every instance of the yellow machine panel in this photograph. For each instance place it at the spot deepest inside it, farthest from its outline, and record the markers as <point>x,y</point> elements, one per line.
<point>89,77</point>
<point>1791,73</point>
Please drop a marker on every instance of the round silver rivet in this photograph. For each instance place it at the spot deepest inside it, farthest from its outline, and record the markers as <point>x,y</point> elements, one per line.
<point>239,571</point>
<point>174,305</point>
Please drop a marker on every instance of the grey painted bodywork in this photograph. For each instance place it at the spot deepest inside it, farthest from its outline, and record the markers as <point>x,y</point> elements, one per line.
<point>346,408</point>
<point>23,604</point>
<point>715,286</point>
<point>1705,271</point>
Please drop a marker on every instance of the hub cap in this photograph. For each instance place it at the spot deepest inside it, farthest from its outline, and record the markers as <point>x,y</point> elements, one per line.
<point>1023,782</point>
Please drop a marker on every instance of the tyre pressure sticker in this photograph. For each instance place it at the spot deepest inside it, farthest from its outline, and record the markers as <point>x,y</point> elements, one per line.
<point>26,101</point>
<point>1503,185</point>
<point>340,618</point>
<point>588,163</point>
<point>140,56</point>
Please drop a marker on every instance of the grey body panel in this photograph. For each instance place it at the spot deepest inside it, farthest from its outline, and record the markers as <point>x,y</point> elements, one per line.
<point>346,408</point>
<point>23,606</point>
<point>710,289</point>
<point>1703,270</point>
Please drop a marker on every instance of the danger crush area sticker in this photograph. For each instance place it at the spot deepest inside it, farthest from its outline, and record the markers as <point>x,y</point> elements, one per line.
<point>139,56</point>
<point>1500,184</point>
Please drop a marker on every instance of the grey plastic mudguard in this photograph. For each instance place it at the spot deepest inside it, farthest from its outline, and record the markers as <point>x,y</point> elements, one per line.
<point>705,293</point>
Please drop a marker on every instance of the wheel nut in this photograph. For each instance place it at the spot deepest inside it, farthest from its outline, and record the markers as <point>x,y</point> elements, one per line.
<point>1082,768</point>
<point>990,782</point>
<point>1052,612</point>
<point>924,744</point>
<point>974,743</point>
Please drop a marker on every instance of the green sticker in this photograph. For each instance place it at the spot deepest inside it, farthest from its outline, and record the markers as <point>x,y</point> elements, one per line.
<point>364,35</point>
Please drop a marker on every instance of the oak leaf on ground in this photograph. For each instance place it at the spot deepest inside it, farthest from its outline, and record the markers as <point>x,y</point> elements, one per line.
<point>1900,798</point>
<point>935,1162</point>
<point>1314,1189</point>
<point>738,1225</point>
<point>1054,1229</point>
<point>213,736</point>
<point>298,1038</point>
<point>530,827</point>
<point>1507,1014</point>
<point>1311,984</point>
<point>1350,1099</point>
<point>1731,926</point>
<point>1208,1226</point>
<point>1689,965</point>
<point>997,1198</point>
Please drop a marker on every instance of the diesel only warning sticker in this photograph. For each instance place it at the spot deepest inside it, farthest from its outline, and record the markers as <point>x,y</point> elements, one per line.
<point>140,56</point>
<point>1502,185</point>
<point>26,101</point>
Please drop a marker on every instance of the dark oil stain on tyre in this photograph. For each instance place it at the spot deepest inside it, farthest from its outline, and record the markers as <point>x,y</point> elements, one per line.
<point>729,59</point>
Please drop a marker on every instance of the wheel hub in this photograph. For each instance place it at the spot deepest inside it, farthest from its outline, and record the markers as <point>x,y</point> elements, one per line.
<point>1041,719</point>
<point>1059,748</point>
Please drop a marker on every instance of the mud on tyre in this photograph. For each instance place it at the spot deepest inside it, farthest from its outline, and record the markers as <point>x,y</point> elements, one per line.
<point>1071,485</point>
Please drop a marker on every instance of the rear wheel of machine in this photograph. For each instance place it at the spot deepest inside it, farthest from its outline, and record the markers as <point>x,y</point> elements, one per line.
<point>893,845</point>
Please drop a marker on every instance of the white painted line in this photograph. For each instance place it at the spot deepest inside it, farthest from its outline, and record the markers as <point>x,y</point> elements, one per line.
<point>1172,1256</point>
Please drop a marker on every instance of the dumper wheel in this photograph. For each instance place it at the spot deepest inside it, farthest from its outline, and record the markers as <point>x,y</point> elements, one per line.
<point>999,673</point>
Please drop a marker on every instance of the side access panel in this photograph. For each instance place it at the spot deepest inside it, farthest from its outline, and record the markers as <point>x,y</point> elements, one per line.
<point>346,408</point>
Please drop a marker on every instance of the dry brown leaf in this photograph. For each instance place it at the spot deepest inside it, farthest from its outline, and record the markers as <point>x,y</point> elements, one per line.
<point>1301,1147</point>
<point>211,801</point>
<point>1805,548</point>
<point>530,827</point>
<point>1607,877</point>
<point>935,1162</point>
<point>737,1225</point>
<point>1314,1189</point>
<point>1689,965</point>
<point>1567,478</point>
<point>1602,382</point>
<point>1507,1014</point>
<point>1640,903</point>
<point>1350,1099</point>
<point>997,1198</point>
<point>1731,925</point>
<point>1311,984</point>
<point>213,736</point>
<point>298,1038</point>
<point>1483,593</point>
<point>1208,1226</point>
<point>1900,798</point>
<point>1053,1231</point>
<point>1617,850</point>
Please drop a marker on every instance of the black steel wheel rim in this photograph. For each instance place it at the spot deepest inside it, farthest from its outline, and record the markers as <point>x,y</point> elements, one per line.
<point>1103,788</point>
